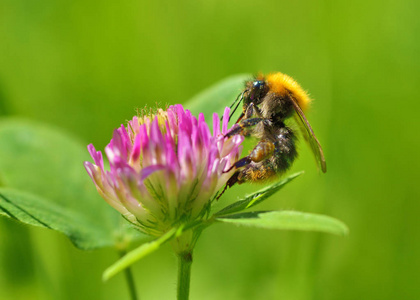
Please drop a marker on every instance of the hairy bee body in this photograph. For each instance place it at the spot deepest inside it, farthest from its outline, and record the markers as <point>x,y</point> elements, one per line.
<point>267,103</point>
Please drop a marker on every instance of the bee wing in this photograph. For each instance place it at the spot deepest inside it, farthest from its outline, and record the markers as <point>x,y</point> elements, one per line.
<point>310,137</point>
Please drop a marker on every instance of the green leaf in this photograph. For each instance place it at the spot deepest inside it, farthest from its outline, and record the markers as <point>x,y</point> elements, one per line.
<point>257,197</point>
<point>218,96</point>
<point>138,253</point>
<point>46,162</point>
<point>287,220</point>
<point>37,211</point>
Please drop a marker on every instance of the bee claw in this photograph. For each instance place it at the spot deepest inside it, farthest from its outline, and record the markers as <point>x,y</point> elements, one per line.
<point>232,180</point>
<point>223,191</point>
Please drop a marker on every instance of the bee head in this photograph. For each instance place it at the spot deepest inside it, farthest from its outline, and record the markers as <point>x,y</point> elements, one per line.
<point>255,92</point>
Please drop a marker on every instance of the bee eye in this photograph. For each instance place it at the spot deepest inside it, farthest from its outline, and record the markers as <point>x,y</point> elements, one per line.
<point>258,84</point>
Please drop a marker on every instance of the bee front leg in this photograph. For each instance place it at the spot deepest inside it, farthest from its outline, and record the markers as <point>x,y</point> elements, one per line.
<point>253,110</point>
<point>250,111</point>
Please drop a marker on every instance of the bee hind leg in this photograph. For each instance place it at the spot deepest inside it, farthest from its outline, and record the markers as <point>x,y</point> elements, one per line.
<point>240,163</point>
<point>232,180</point>
<point>263,150</point>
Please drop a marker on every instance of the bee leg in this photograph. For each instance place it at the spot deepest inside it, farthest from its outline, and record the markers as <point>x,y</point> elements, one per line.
<point>243,125</point>
<point>240,163</point>
<point>263,150</point>
<point>232,180</point>
<point>253,110</point>
<point>252,117</point>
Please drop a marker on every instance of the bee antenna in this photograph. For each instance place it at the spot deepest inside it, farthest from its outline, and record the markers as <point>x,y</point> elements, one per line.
<point>240,97</point>
<point>237,97</point>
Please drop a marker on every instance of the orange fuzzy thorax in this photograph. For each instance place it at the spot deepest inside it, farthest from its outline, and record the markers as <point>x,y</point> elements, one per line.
<point>283,84</point>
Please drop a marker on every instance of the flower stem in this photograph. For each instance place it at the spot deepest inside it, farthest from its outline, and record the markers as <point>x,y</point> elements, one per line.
<point>130,280</point>
<point>184,274</point>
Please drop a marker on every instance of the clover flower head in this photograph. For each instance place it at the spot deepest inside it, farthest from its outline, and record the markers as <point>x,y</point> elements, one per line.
<point>165,168</point>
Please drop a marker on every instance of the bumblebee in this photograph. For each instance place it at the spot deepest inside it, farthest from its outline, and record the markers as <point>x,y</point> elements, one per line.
<point>268,101</point>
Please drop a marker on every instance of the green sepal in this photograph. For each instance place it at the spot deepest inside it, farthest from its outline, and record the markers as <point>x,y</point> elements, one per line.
<point>287,220</point>
<point>257,197</point>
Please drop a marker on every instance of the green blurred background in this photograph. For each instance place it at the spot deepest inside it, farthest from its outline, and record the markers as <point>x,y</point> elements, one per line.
<point>85,66</point>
